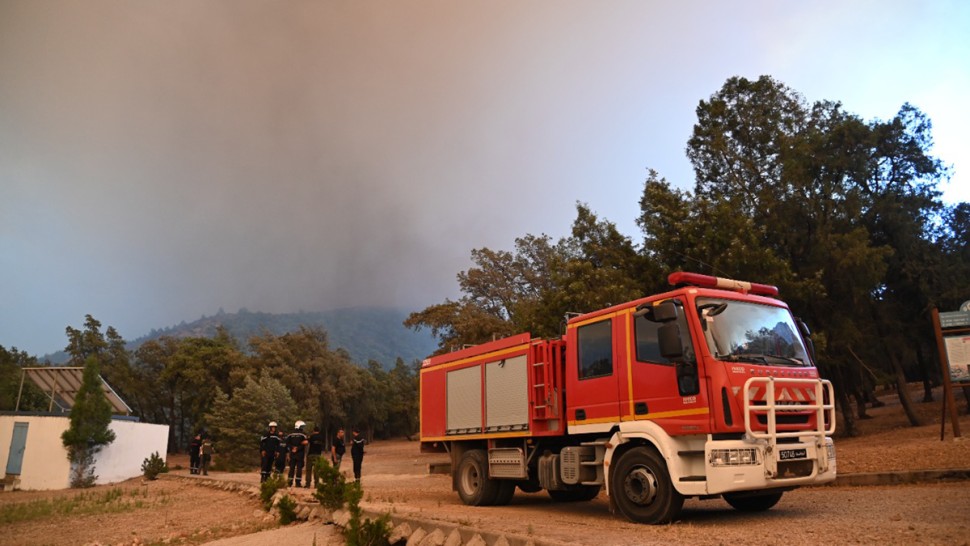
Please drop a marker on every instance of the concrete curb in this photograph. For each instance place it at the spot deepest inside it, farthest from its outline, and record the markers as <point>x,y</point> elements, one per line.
<point>405,530</point>
<point>412,531</point>
<point>901,477</point>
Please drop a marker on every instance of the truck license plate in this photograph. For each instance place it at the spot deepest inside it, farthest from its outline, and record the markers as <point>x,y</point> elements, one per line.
<point>788,454</point>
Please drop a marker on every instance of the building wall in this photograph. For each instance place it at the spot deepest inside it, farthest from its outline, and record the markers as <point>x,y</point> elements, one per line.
<point>45,464</point>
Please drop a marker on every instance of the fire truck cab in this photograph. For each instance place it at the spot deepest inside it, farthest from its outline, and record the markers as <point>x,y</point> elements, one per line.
<point>706,390</point>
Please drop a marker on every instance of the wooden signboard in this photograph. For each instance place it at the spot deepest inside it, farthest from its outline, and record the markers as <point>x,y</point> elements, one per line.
<point>953,344</point>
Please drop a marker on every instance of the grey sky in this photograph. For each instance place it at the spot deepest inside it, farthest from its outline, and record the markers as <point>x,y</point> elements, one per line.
<point>160,160</point>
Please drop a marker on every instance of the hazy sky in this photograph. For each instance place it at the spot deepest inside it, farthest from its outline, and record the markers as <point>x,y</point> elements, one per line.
<point>160,160</point>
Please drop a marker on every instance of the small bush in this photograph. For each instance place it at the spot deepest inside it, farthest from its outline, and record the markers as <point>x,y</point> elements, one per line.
<point>367,532</point>
<point>332,487</point>
<point>153,466</point>
<point>287,508</point>
<point>269,488</point>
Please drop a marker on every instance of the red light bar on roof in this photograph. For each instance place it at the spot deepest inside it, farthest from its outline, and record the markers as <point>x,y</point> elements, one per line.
<point>707,281</point>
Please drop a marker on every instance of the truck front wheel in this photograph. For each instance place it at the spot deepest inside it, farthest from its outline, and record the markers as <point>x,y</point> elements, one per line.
<point>641,488</point>
<point>752,503</point>
<point>474,486</point>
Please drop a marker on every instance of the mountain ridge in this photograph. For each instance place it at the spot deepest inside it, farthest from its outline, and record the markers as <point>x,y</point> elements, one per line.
<point>366,333</point>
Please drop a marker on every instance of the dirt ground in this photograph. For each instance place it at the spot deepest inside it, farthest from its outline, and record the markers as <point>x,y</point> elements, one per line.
<point>396,480</point>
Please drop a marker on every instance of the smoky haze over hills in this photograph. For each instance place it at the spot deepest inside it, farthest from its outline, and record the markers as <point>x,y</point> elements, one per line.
<point>371,333</point>
<point>160,160</point>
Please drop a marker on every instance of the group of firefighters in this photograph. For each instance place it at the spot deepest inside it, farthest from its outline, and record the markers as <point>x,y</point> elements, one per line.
<point>300,449</point>
<point>200,453</point>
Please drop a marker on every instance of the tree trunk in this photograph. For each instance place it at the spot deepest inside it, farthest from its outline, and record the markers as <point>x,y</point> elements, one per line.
<point>925,372</point>
<point>903,392</point>
<point>848,420</point>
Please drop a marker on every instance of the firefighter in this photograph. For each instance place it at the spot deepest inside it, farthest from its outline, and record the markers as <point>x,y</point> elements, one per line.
<point>194,446</point>
<point>205,453</point>
<point>280,453</point>
<point>296,442</point>
<point>357,453</point>
<point>313,453</point>
<point>268,446</point>
<point>337,449</point>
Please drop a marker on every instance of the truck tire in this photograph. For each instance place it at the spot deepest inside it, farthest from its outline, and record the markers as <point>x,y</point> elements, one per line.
<point>641,488</point>
<point>506,490</point>
<point>585,493</point>
<point>746,502</point>
<point>474,486</point>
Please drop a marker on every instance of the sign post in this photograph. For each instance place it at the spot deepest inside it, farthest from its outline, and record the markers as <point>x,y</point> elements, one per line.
<point>953,344</point>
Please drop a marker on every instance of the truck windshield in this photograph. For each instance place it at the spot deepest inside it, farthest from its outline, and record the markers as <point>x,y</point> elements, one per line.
<point>739,331</point>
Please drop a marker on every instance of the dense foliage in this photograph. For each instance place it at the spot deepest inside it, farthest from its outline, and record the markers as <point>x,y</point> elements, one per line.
<point>197,383</point>
<point>14,387</point>
<point>841,213</point>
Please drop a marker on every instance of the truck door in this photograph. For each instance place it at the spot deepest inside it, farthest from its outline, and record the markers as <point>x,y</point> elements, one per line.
<point>592,391</point>
<point>654,391</point>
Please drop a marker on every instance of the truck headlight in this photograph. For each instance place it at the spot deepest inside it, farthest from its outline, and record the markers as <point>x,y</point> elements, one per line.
<point>830,450</point>
<point>734,457</point>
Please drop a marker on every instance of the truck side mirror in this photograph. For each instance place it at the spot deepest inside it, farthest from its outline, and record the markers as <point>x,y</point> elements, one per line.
<point>665,312</point>
<point>806,335</point>
<point>672,348</point>
<point>671,345</point>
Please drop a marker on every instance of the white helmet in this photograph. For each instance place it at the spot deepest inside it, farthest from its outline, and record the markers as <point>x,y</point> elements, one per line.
<point>272,423</point>
<point>299,424</point>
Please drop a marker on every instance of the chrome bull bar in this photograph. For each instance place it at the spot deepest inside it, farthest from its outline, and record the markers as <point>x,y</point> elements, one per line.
<point>824,415</point>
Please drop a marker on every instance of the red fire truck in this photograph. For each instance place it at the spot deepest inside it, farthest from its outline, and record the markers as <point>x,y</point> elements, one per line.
<point>707,390</point>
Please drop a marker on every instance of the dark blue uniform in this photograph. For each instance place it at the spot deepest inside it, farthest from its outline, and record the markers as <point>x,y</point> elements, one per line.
<point>269,444</point>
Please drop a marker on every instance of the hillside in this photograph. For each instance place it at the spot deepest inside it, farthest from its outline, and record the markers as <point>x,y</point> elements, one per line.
<point>367,333</point>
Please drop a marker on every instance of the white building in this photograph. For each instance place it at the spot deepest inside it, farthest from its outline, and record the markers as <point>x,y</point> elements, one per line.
<point>33,455</point>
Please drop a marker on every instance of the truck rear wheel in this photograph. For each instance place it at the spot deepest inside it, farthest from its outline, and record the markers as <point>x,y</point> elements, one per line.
<point>641,488</point>
<point>752,503</point>
<point>474,486</point>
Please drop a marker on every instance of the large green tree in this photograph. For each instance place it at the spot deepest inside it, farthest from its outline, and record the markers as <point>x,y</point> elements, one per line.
<point>836,211</point>
<point>236,422</point>
<point>841,213</point>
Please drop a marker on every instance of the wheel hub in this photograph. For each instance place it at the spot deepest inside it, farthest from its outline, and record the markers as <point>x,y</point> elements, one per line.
<point>470,480</point>
<point>640,486</point>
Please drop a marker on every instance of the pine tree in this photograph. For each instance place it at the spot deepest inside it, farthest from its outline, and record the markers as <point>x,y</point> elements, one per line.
<point>89,430</point>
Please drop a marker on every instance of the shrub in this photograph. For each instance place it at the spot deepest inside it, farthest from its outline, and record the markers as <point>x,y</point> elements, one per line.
<point>287,508</point>
<point>269,488</point>
<point>367,532</point>
<point>153,466</point>
<point>332,486</point>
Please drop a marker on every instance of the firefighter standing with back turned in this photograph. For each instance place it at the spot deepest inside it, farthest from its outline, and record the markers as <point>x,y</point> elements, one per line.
<point>314,451</point>
<point>281,453</point>
<point>296,443</point>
